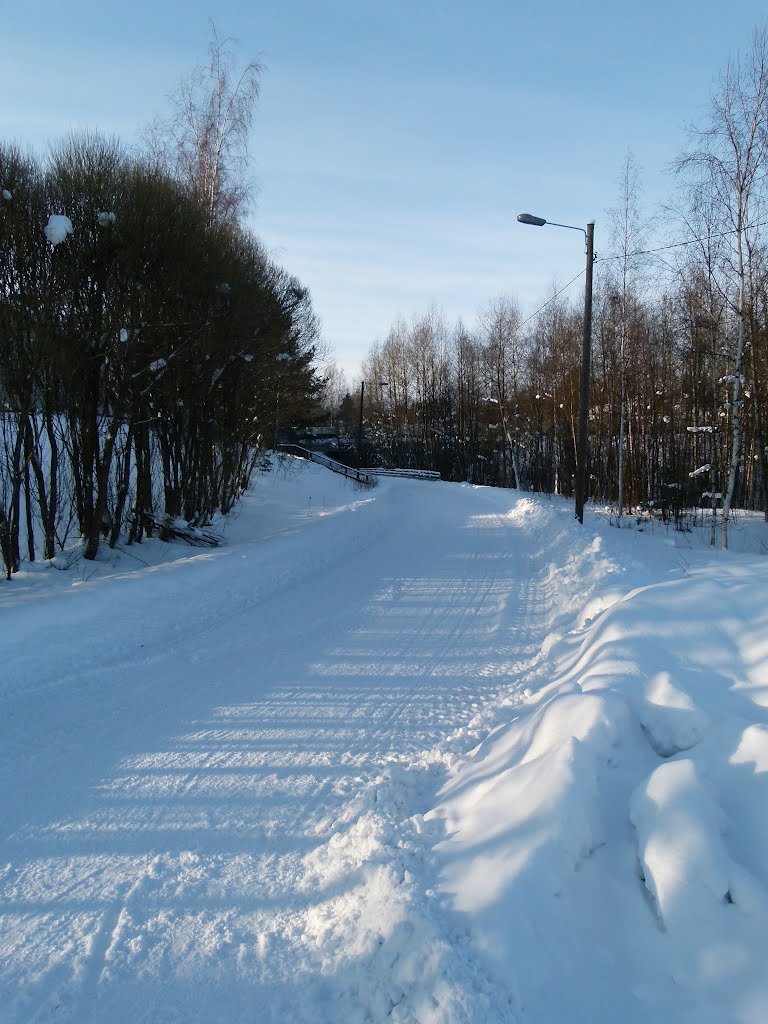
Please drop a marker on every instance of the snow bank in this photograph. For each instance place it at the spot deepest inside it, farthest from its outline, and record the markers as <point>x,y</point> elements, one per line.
<point>626,753</point>
<point>419,970</point>
<point>680,830</point>
<point>668,715</point>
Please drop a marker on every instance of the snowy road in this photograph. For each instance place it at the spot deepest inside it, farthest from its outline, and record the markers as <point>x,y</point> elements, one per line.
<point>430,754</point>
<point>188,753</point>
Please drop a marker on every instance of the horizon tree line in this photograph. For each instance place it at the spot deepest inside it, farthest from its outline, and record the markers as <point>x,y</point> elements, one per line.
<point>679,377</point>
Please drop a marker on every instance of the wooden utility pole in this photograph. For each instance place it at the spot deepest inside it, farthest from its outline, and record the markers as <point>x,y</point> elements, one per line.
<point>582,454</point>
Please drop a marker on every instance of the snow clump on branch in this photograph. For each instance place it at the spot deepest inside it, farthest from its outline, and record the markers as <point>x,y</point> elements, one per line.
<point>57,228</point>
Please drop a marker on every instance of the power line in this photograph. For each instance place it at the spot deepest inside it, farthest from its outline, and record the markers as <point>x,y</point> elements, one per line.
<point>639,252</point>
<point>677,245</point>
<point>549,301</point>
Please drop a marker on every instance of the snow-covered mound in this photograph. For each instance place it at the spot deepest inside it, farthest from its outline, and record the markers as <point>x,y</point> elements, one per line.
<point>606,843</point>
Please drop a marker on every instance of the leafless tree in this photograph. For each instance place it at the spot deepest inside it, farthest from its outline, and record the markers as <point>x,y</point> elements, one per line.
<point>729,160</point>
<point>500,331</point>
<point>628,232</point>
<point>205,141</point>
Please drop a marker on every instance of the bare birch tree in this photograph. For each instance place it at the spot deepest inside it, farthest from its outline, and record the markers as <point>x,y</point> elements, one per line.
<point>627,237</point>
<point>205,141</point>
<point>500,325</point>
<point>729,159</point>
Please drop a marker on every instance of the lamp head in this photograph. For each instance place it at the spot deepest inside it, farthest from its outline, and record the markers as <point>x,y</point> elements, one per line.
<point>528,218</point>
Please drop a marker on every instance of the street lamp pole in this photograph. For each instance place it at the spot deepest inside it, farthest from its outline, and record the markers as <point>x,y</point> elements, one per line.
<point>582,454</point>
<point>586,353</point>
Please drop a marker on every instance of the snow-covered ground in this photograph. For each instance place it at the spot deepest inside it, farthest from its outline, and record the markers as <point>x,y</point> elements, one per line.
<point>427,753</point>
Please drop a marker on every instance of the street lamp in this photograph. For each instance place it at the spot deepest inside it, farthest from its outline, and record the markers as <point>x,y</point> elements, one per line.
<point>586,349</point>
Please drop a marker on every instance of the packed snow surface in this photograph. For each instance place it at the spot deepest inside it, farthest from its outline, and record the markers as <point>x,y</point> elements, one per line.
<point>424,753</point>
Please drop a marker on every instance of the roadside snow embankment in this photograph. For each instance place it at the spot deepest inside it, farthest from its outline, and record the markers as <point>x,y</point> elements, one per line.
<point>607,841</point>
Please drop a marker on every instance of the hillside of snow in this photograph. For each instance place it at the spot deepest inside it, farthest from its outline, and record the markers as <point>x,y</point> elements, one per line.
<point>423,753</point>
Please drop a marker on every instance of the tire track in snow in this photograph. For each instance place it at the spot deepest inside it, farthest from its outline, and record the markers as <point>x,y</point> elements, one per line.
<point>105,938</point>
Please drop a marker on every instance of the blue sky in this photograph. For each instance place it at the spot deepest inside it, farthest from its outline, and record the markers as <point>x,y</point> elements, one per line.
<point>396,142</point>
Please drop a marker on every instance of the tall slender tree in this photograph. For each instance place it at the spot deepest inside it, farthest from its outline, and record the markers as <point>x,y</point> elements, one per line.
<point>729,159</point>
<point>206,139</point>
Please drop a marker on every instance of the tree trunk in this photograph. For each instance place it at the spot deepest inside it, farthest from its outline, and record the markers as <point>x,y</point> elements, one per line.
<point>735,406</point>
